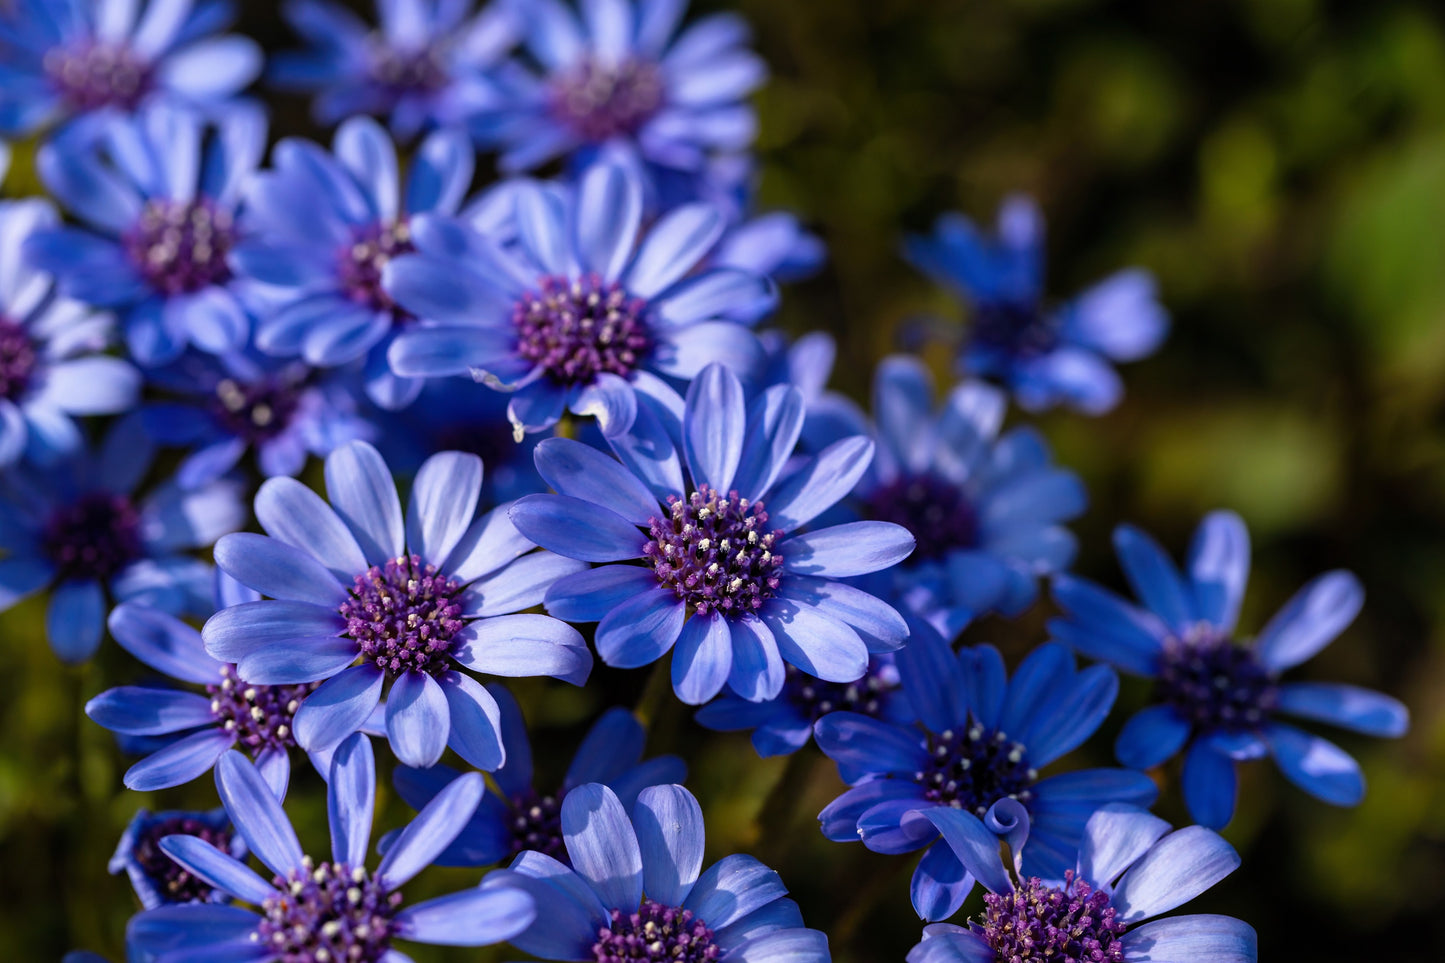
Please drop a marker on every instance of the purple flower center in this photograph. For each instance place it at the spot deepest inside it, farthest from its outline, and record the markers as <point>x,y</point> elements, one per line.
<point>655,932</point>
<point>1073,923</point>
<point>403,616</point>
<point>537,824</point>
<point>815,698</point>
<point>974,768</point>
<point>403,72</point>
<point>360,264</point>
<point>257,411</point>
<point>93,538</point>
<point>181,246</point>
<point>1214,683</point>
<point>715,552</point>
<point>259,715</point>
<point>17,359</point>
<point>597,100</point>
<point>328,913</point>
<point>1018,329</point>
<point>578,328</point>
<point>94,75</point>
<point>936,512</point>
<point>171,880</point>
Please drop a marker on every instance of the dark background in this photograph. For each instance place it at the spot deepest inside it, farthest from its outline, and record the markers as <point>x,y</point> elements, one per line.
<point>1280,166</point>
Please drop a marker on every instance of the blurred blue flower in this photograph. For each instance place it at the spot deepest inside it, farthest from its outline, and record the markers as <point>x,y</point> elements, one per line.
<point>428,592</point>
<point>61,59</point>
<point>81,530</point>
<point>324,227</point>
<point>1127,871</point>
<point>595,907</point>
<point>984,738</point>
<point>1045,356</point>
<point>581,309</point>
<point>423,68</point>
<point>333,909</point>
<point>1213,695</point>
<point>159,195</point>
<point>622,81</point>
<point>517,816</point>
<point>51,369</point>
<point>724,578</point>
<point>156,878</point>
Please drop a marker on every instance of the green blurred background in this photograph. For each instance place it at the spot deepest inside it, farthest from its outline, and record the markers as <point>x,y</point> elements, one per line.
<point>1280,166</point>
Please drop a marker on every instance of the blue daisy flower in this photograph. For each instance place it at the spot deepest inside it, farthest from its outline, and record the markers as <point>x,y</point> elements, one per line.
<point>409,599</point>
<point>81,530</point>
<point>697,500</point>
<point>986,509</point>
<point>158,194</point>
<point>231,404</point>
<point>735,910</point>
<point>516,816</point>
<point>424,67</point>
<point>1130,868</point>
<point>332,909</point>
<point>623,81</point>
<point>582,308</point>
<point>326,225</point>
<point>1045,356</point>
<point>984,738</point>
<point>51,369</point>
<point>1217,699</point>
<point>155,877</point>
<point>72,58</point>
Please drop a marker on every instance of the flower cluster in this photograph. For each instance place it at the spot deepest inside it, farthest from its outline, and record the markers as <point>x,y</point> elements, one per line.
<point>504,430</point>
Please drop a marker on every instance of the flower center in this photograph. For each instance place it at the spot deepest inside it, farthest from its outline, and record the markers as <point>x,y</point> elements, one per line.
<point>17,359</point>
<point>404,72</point>
<point>174,882</point>
<point>655,932</point>
<point>1073,923</point>
<point>328,913</point>
<point>258,411</point>
<point>815,698</point>
<point>715,552</point>
<point>403,616</point>
<point>578,328</point>
<point>1214,683</point>
<point>259,715</point>
<point>94,75</point>
<point>1019,329</point>
<point>598,101</point>
<point>181,246</point>
<point>361,263</point>
<point>537,824</point>
<point>936,512</point>
<point>974,768</point>
<point>93,538</point>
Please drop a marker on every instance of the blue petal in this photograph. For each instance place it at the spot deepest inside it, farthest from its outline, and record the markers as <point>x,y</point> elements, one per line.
<point>758,671</point>
<point>475,917</point>
<point>1209,784</point>
<point>670,836</point>
<point>257,814</point>
<point>213,68</point>
<point>1155,579</point>
<point>1151,736</point>
<point>431,831</point>
<point>179,762</point>
<point>417,719</point>
<point>613,744</point>
<point>91,190</point>
<point>683,352</point>
<point>164,643</point>
<point>641,630</point>
<point>1350,707</point>
<point>603,846</point>
<point>1218,939</point>
<point>20,578</point>
<point>853,548</point>
<point>143,711</point>
<point>676,244</point>
<point>490,544</point>
<point>577,529</point>
<point>1114,839</point>
<point>714,426</point>
<point>1219,568</point>
<point>933,678</point>
<point>702,660</point>
<point>221,870</point>
<point>590,596</point>
<point>1175,870</point>
<point>92,386</point>
<point>573,912</point>
<point>366,151</point>
<point>190,925</point>
<point>521,585</point>
<point>869,745</point>
<point>1072,715</point>
<point>973,844</point>
<point>443,502</point>
<point>607,213</point>
<point>476,722</point>
<point>839,819</point>
<point>940,884</point>
<point>1119,317</point>
<point>1310,621</point>
<point>581,471</point>
<point>820,483</point>
<point>799,945</point>
<point>719,293</point>
<point>731,888</point>
<point>274,568</point>
<point>440,174</point>
<point>233,633</point>
<point>351,799</point>
<point>338,708</point>
<point>775,420</point>
<point>524,645</point>
<point>1316,765</point>
<point>290,511</point>
<point>902,406</point>
<point>541,230</point>
<point>1104,627</point>
<point>363,494</point>
<point>876,622</point>
<point>75,619</point>
<point>819,645</point>
<point>780,914</point>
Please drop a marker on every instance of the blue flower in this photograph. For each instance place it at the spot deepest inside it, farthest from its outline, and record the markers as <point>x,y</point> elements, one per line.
<point>1046,356</point>
<point>423,68</point>
<point>784,725</point>
<point>581,309</point>
<point>1127,871</point>
<point>159,195</point>
<point>325,226</point>
<point>71,58</point>
<point>281,411</point>
<point>735,910</point>
<point>408,599</point>
<point>159,881</point>
<point>623,81</point>
<point>335,905</point>
<point>985,510</point>
<point>722,572</point>
<point>517,816</point>
<point>51,369</point>
<point>984,739</point>
<point>81,530</point>
<point>1213,695</point>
